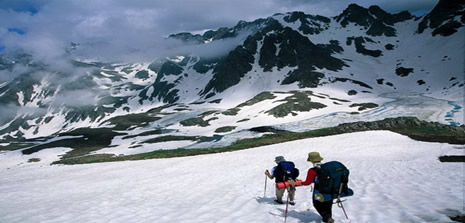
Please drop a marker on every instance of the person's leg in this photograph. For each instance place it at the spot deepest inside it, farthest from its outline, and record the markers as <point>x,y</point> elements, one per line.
<point>324,209</point>
<point>279,195</point>
<point>292,195</point>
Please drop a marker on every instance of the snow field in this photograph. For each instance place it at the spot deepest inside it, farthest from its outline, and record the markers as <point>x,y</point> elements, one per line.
<point>395,179</point>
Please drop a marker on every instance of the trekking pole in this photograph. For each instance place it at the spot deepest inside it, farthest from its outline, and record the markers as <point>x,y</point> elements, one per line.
<point>287,200</point>
<point>287,206</point>
<point>264,193</point>
<point>339,202</point>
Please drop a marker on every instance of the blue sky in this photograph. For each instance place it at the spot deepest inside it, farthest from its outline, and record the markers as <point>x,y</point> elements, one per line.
<point>46,27</point>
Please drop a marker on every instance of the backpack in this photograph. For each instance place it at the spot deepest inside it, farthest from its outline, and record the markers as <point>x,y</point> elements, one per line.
<point>286,170</point>
<point>331,176</point>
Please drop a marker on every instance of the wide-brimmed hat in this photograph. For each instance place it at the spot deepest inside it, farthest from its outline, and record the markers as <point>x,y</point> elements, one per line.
<point>279,159</point>
<point>314,157</point>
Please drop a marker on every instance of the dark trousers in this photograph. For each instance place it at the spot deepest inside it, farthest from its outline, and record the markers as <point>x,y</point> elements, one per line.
<point>324,209</point>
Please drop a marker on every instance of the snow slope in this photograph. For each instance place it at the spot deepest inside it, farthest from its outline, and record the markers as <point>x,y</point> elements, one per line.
<point>395,179</point>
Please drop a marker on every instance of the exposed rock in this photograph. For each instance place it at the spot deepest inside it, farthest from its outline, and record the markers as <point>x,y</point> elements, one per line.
<point>355,14</point>
<point>403,72</point>
<point>360,48</point>
<point>442,18</point>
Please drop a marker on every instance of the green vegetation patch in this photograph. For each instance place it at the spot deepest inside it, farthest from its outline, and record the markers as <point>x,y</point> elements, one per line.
<point>33,160</point>
<point>174,138</point>
<point>87,140</point>
<point>205,114</point>
<point>410,126</point>
<point>200,120</point>
<point>132,121</point>
<point>197,121</point>
<point>15,146</point>
<point>194,121</point>
<point>147,133</point>
<point>298,102</point>
<point>266,95</point>
<point>364,106</point>
<point>217,101</point>
<point>340,100</point>
<point>225,129</point>
<point>125,122</point>
<point>231,112</point>
<point>458,159</point>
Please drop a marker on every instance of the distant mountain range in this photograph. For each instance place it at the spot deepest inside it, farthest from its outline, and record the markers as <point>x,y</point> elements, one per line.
<point>286,70</point>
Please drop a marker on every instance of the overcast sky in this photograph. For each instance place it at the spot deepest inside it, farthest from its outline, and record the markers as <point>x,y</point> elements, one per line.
<point>122,29</point>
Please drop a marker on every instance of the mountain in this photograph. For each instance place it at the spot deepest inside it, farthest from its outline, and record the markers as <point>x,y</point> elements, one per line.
<point>292,71</point>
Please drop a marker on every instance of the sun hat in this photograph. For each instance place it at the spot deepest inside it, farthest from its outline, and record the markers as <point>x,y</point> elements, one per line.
<point>279,159</point>
<point>314,157</point>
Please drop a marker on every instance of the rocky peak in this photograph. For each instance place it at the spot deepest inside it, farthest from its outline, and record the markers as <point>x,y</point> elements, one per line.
<point>187,37</point>
<point>309,24</point>
<point>220,33</point>
<point>355,14</point>
<point>445,18</point>
<point>377,21</point>
<point>388,18</point>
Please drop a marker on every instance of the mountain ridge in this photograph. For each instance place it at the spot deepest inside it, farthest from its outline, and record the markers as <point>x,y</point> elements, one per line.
<point>312,68</point>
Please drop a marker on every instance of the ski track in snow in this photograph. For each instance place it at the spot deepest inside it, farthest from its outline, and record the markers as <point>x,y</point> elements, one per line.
<point>395,179</point>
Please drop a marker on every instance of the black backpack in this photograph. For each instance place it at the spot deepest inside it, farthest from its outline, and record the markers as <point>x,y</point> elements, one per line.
<point>332,178</point>
<point>285,171</point>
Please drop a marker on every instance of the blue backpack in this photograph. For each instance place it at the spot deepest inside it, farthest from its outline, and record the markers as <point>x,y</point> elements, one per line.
<point>332,178</point>
<point>285,171</point>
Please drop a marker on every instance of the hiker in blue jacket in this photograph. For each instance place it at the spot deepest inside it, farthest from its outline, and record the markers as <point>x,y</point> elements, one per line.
<point>280,178</point>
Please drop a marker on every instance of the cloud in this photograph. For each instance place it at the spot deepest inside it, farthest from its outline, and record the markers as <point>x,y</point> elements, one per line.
<point>9,75</point>
<point>75,98</point>
<point>211,49</point>
<point>11,111</point>
<point>8,113</point>
<point>136,30</point>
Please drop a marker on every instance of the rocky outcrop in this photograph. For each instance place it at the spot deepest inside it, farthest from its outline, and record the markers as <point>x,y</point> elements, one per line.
<point>445,18</point>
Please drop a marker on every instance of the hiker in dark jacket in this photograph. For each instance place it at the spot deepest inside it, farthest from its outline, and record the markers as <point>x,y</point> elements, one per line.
<point>323,208</point>
<point>280,192</point>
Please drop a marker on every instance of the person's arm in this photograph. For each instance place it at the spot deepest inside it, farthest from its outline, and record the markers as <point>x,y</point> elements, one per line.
<point>311,174</point>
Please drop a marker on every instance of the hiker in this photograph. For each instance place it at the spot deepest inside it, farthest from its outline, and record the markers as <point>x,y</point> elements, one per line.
<point>323,208</point>
<point>280,176</point>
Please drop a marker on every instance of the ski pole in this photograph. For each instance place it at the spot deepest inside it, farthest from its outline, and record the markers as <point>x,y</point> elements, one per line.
<point>264,193</point>
<point>287,200</point>
<point>339,202</point>
<point>287,206</point>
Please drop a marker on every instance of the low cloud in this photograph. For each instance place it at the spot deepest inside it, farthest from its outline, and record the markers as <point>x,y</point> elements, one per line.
<point>8,75</point>
<point>211,49</point>
<point>8,113</point>
<point>137,31</point>
<point>11,111</point>
<point>75,98</point>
